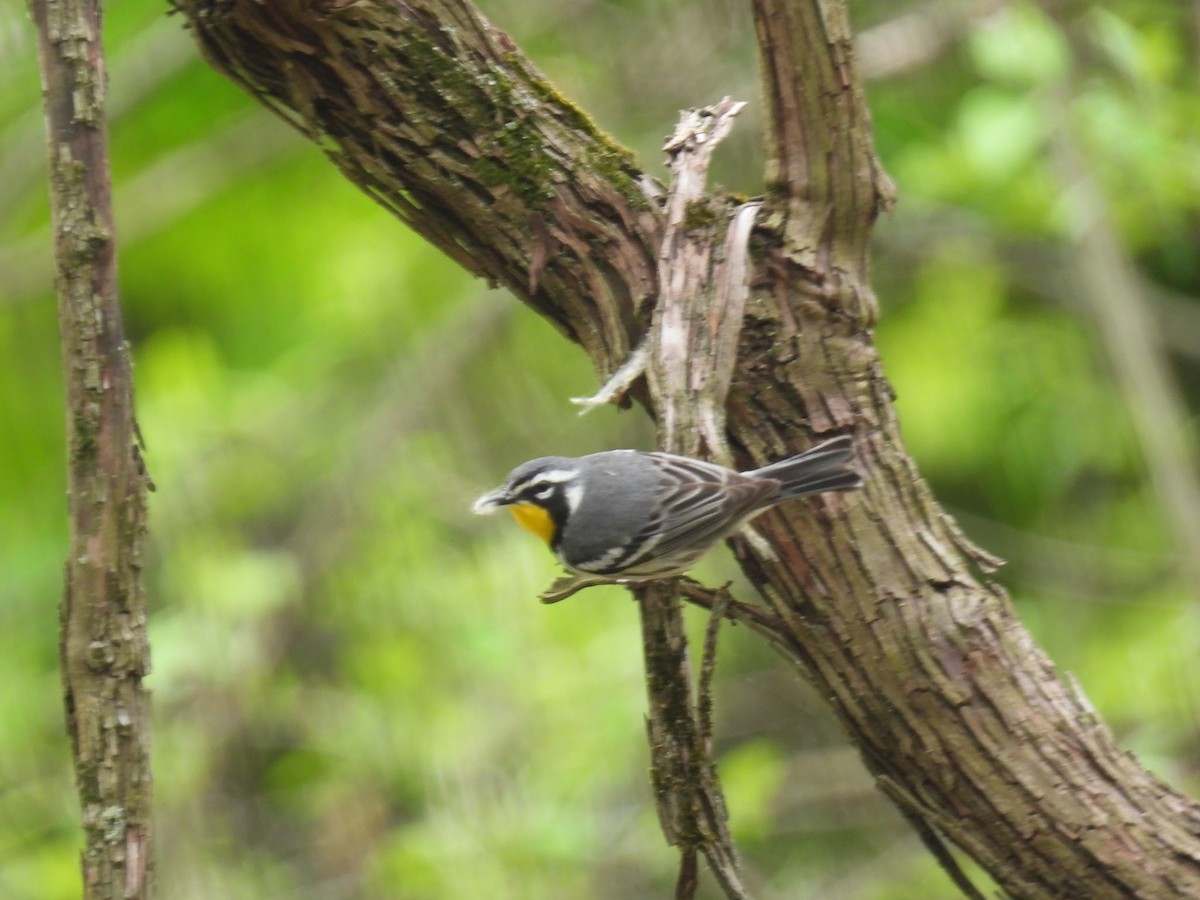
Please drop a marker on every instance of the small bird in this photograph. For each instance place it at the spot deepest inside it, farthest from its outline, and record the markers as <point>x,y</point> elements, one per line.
<point>628,515</point>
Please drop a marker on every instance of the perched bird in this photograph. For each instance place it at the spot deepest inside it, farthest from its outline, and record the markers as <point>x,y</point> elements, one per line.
<point>634,516</point>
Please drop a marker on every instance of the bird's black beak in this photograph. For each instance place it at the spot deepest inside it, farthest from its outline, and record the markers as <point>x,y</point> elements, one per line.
<point>492,501</point>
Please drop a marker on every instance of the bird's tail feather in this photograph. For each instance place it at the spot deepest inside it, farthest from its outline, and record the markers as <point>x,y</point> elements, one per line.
<point>826,467</point>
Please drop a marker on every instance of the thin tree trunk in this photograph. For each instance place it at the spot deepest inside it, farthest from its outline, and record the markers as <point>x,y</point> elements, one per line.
<point>876,596</point>
<point>103,650</point>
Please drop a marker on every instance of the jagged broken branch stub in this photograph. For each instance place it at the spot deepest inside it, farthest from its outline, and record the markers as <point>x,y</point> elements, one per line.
<point>691,348</point>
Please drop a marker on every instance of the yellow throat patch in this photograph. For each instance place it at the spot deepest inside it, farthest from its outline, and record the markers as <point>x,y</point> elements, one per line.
<point>535,519</point>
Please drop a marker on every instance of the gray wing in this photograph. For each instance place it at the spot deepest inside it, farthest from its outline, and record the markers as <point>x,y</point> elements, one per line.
<point>700,503</point>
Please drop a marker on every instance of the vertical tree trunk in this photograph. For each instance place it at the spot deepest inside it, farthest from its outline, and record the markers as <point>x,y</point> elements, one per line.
<point>103,648</point>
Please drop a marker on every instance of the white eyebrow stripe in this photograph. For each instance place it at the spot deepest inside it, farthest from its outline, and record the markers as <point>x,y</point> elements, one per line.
<point>552,476</point>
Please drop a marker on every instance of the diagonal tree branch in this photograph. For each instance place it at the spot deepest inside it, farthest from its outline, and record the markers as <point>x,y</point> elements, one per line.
<point>438,117</point>
<point>1014,756</point>
<point>877,597</point>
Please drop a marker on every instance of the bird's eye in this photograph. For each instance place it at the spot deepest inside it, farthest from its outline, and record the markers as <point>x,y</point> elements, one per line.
<point>544,493</point>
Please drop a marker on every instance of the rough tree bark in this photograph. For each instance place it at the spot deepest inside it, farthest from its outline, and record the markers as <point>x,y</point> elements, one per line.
<point>877,597</point>
<point>104,654</point>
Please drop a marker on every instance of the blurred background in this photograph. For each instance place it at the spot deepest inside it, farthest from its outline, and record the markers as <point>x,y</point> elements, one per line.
<point>356,692</point>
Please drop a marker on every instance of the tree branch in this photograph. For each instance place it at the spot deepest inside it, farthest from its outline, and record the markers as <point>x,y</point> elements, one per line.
<point>437,116</point>
<point>103,648</point>
<point>967,718</point>
<point>827,180</point>
<point>877,597</point>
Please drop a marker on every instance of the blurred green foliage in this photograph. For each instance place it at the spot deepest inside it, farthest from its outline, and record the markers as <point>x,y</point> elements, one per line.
<point>356,694</point>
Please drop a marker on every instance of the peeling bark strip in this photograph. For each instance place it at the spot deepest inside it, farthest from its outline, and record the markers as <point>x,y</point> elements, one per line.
<point>877,596</point>
<point>103,649</point>
<point>699,314</point>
